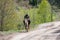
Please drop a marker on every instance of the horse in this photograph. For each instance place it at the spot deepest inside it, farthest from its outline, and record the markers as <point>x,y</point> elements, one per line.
<point>26,23</point>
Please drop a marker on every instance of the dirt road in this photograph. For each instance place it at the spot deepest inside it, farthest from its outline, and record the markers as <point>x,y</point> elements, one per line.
<point>46,31</point>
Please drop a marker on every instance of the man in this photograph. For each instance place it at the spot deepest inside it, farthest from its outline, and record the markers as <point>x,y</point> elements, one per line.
<point>26,20</point>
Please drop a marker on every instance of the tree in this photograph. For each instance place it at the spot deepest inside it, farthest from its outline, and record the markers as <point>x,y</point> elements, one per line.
<point>55,3</point>
<point>8,15</point>
<point>34,2</point>
<point>44,11</point>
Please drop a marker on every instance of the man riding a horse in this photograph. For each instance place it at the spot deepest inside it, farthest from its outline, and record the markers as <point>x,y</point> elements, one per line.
<point>26,21</point>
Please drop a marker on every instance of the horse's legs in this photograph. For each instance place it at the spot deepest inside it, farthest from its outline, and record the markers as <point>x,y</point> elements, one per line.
<point>26,27</point>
